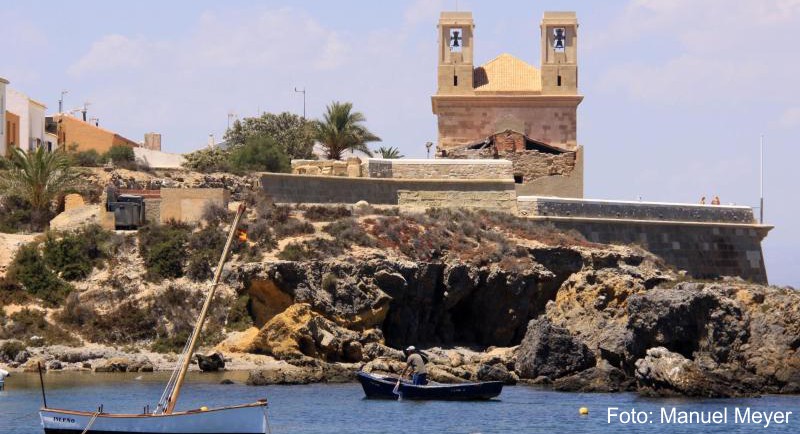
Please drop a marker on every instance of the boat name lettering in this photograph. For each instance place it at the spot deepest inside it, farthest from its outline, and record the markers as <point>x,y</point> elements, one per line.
<point>63,419</point>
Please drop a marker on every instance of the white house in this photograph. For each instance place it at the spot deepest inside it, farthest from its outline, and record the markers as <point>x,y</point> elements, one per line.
<point>28,133</point>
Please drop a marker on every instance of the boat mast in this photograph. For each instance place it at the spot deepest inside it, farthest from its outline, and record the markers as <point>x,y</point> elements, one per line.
<point>187,357</point>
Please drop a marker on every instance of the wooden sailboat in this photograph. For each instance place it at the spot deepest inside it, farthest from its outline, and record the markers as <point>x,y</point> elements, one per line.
<point>237,419</point>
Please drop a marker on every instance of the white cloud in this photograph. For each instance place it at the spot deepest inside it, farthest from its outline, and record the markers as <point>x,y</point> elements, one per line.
<point>114,52</point>
<point>703,53</point>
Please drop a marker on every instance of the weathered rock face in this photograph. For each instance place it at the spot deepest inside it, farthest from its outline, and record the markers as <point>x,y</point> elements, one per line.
<point>300,332</point>
<point>601,378</point>
<point>664,373</point>
<point>419,303</point>
<point>721,339</point>
<point>549,350</point>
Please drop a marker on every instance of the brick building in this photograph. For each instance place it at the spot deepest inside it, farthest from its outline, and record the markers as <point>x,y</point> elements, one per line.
<point>508,96</point>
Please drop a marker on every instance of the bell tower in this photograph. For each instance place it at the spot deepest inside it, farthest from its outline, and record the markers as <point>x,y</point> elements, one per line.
<point>559,53</point>
<point>455,53</point>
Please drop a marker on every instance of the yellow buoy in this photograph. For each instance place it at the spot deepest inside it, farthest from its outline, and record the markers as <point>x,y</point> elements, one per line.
<point>204,408</point>
<point>583,411</point>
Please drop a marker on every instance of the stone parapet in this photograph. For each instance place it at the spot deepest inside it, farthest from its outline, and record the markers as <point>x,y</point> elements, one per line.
<point>624,210</point>
<point>438,168</point>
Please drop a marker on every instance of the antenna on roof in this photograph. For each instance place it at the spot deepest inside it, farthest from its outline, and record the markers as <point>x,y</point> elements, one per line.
<point>231,115</point>
<point>85,109</point>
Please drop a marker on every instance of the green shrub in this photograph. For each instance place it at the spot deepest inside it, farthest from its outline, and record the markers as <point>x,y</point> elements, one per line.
<point>76,313</point>
<point>239,317</point>
<point>126,324</point>
<point>10,349</point>
<point>215,214</point>
<point>27,323</point>
<point>29,269</point>
<point>90,158</point>
<point>163,248</point>
<point>73,255</point>
<point>15,214</point>
<point>12,293</point>
<point>260,233</point>
<point>208,160</point>
<point>293,227</point>
<point>348,231</point>
<point>317,248</point>
<point>260,154</point>
<point>121,155</point>
<point>323,213</point>
<point>205,247</point>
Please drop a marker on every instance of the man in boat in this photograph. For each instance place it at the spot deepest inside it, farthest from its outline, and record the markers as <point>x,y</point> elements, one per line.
<point>416,364</point>
<point>3,375</point>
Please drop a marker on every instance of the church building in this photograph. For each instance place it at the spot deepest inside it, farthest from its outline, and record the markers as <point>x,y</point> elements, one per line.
<point>510,109</point>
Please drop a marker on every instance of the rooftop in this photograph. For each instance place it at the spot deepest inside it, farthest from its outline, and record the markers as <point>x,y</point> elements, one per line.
<point>506,73</point>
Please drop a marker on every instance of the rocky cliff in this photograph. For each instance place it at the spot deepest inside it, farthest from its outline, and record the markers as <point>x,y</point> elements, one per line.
<point>488,296</point>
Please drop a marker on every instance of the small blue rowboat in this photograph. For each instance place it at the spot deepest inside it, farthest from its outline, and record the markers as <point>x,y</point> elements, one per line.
<point>382,387</point>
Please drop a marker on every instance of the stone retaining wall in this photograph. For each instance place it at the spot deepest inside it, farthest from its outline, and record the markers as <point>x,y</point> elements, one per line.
<point>438,168</point>
<point>498,200</point>
<point>284,188</point>
<point>703,250</point>
<point>563,207</point>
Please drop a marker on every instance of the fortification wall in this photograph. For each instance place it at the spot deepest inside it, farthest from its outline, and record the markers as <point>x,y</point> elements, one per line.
<point>503,199</point>
<point>187,204</point>
<point>565,207</point>
<point>706,241</point>
<point>285,188</point>
<point>438,168</point>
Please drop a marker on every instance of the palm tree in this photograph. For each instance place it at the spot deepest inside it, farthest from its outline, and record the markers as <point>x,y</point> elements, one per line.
<point>389,152</point>
<point>39,177</point>
<point>341,130</point>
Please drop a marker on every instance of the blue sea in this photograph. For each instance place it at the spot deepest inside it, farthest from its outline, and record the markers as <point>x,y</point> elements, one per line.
<point>341,408</point>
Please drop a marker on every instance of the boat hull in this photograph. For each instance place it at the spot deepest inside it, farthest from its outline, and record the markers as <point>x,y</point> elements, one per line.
<point>377,387</point>
<point>242,419</point>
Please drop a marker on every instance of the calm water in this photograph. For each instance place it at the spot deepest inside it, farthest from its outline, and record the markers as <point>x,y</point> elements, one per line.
<point>342,409</point>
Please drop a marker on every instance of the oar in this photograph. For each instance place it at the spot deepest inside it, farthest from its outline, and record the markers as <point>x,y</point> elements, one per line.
<point>396,389</point>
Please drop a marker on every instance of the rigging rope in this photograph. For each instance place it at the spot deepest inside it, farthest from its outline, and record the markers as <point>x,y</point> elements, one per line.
<point>91,421</point>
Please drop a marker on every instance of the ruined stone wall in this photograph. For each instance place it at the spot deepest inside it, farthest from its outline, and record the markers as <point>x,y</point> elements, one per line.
<point>350,167</point>
<point>438,168</point>
<point>284,188</point>
<point>464,123</point>
<point>531,165</point>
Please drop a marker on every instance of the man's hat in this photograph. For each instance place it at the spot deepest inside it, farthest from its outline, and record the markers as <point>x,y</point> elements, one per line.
<point>411,349</point>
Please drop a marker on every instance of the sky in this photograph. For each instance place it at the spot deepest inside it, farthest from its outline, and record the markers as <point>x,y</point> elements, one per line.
<point>677,92</point>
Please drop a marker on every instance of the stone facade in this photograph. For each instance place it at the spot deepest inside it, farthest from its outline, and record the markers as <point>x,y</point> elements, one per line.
<point>187,204</point>
<point>500,200</point>
<point>437,169</point>
<point>466,120</point>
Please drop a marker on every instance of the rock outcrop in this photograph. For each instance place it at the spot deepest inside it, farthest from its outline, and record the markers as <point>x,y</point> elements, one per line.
<point>549,350</point>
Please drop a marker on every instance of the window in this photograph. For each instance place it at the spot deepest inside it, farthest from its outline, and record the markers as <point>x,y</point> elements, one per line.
<point>455,80</point>
<point>559,80</point>
<point>518,179</point>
